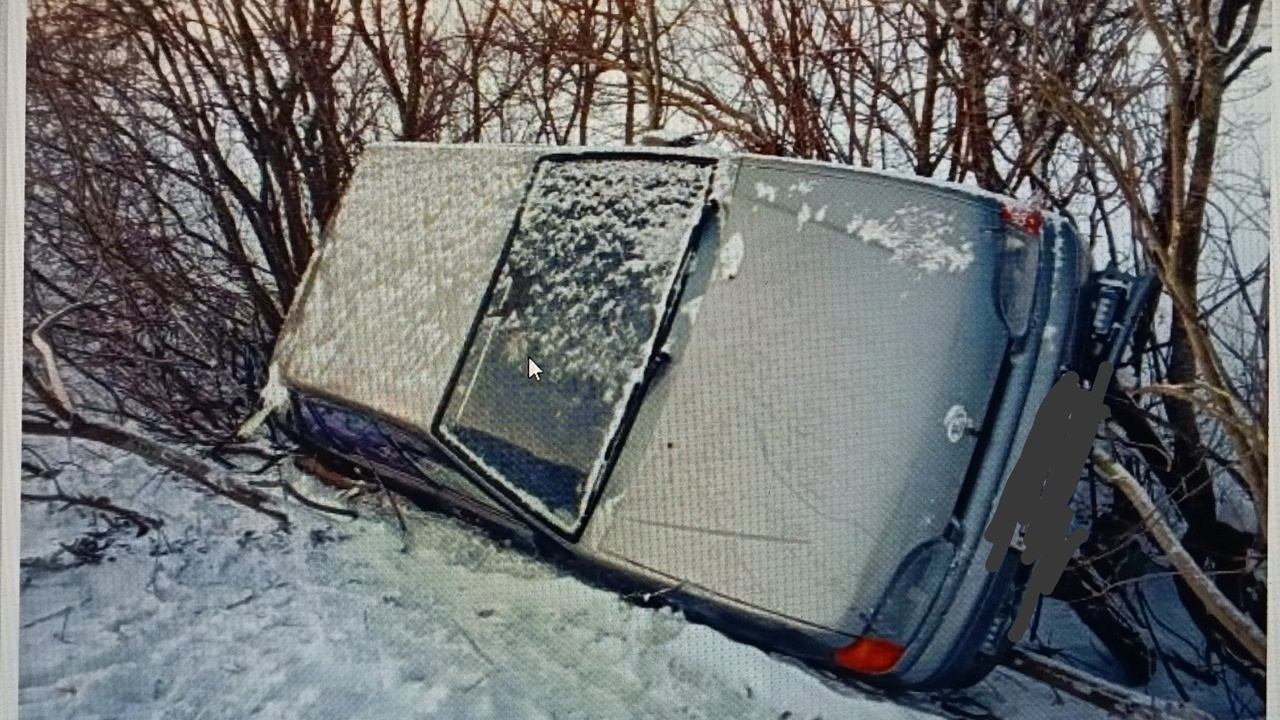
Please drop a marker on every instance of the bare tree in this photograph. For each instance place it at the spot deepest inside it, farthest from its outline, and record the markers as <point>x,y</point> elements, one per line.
<point>186,156</point>
<point>123,276</point>
<point>418,64</point>
<point>1173,103</point>
<point>182,159</point>
<point>279,83</point>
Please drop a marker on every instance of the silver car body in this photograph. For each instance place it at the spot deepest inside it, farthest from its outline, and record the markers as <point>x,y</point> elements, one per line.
<point>829,383</point>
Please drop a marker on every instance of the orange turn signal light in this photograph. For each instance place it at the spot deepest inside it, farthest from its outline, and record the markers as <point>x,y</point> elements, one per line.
<point>869,655</point>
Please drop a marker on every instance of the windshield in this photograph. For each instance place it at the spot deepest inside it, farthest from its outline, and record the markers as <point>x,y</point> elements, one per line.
<point>591,268</point>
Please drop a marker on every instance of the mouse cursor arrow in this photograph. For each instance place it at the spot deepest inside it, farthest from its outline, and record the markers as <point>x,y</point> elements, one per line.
<point>535,372</point>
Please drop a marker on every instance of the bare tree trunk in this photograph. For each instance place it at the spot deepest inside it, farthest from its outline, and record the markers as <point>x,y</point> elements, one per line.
<point>627,11</point>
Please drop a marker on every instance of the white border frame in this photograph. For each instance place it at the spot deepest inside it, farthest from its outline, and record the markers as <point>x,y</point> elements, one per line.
<point>13,14</point>
<point>13,86</point>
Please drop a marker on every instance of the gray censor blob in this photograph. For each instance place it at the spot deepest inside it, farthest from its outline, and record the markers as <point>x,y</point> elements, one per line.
<point>1042,482</point>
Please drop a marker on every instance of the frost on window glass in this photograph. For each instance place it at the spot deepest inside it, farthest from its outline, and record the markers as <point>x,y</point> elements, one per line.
<point>593,262</point>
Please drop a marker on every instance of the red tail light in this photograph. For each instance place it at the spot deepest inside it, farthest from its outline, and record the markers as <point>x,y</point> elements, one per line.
<point>871,656</point>
<point>1029,220</point>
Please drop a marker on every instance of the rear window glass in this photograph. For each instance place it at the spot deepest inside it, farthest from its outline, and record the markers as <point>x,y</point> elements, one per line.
<point>592,264</point>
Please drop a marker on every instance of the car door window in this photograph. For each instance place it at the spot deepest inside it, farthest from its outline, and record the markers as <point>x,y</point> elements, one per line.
<point>589,275</point>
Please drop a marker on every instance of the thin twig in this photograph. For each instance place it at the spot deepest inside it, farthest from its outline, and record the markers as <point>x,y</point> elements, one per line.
<point>404,526</point>
<point>293,492</point>
<point>144,523</point>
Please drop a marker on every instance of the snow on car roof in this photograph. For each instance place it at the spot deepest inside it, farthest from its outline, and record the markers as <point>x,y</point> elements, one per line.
<point>708,151</point>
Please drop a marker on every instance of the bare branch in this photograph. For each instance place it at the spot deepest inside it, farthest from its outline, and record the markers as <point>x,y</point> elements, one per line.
<point>1231,619</point>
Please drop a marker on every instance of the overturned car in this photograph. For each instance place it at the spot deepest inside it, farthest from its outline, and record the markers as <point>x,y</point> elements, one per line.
<point>783,395</point>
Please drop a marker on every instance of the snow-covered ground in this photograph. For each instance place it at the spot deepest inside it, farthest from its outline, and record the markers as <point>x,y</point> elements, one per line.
<point>221,615</point>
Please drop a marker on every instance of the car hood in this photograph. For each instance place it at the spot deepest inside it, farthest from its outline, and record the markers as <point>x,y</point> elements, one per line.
<point>381,316</point>
<point>813,427</point>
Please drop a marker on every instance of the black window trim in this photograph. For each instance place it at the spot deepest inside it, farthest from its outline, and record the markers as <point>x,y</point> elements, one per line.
<point>497,487</point>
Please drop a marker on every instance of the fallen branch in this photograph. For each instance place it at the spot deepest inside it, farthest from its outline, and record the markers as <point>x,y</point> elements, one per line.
<point>1116,700</point>
<point>221,454</point>
<point>163,456</point>
<point>56,386</point>
<point>70,422</point>
<point>144,523</point>
<point>1232,620</point>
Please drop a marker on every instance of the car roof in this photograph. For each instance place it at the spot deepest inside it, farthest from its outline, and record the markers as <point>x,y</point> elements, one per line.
<point>711,152</point>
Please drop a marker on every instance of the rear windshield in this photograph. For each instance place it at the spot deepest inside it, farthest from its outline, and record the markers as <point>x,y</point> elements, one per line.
<point>590,272</point>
